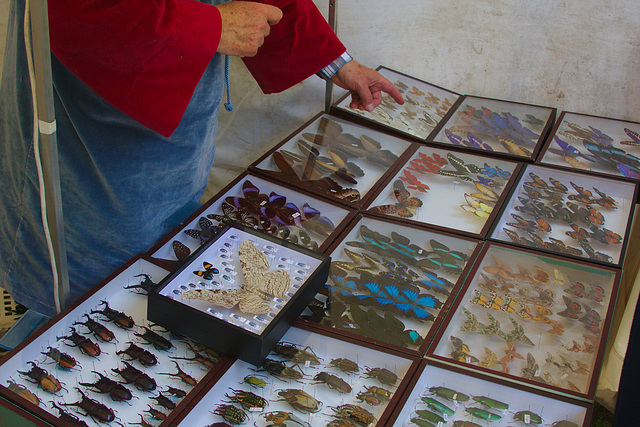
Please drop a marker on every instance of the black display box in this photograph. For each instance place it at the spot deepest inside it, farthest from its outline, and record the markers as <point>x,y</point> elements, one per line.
<point>236,333</point>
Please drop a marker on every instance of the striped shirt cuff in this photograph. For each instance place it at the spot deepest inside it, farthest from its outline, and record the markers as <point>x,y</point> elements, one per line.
<point>328,71</point>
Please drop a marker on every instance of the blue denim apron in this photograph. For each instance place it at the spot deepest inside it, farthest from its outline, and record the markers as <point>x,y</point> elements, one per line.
<point>119,180</point>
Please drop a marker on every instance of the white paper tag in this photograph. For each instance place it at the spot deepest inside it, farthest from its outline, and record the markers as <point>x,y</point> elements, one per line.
<point>527,419</point>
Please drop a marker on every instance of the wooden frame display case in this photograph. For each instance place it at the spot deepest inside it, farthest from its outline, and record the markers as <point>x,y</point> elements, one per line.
<point>503,128</point>
<point>568,213</point>
<point>392,284</point>
<point>600,145</point>
<point>255,202</point>
<point>127,374</point>
<point>334,158</point>
<point>448,190</point>
<point>425,106</point>
<point>307,381</point>
<point>537,319</point>
<point>239,292</point>
<point>451,397</point>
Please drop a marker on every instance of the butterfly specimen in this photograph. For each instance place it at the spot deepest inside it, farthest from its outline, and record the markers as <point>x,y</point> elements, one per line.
<point>413,183</point>
<point>406,205</point>
<point>461,351</point>
<point>208,272</point>
<point>531,370</point>
<point>490,359</point>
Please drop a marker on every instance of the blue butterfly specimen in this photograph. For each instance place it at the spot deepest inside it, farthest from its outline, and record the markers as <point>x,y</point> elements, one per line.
<point>343,286</point>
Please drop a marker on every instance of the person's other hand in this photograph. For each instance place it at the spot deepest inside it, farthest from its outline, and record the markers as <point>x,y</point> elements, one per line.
<point>244,26</point>
<point>366,86</point>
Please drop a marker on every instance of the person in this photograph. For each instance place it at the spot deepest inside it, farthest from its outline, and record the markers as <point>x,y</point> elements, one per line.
<point>137,89</point>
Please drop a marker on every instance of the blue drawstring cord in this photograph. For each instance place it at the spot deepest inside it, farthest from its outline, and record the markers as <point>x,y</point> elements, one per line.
<point>227,105</point>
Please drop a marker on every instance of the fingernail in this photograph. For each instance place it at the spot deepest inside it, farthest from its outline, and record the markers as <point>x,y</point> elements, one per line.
<point>369,107</point>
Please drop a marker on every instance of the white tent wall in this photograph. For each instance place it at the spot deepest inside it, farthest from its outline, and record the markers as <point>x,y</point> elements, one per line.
<point>574,55</point>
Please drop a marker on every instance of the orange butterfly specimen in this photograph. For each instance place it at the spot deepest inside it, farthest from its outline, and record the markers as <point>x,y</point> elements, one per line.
<point>575,347</point>
<point>500,269</point>
<point>537,181</point>
<point>413,182</point>
<point>490,359</point>
<point>557,328</point>
<point>557,186</point>
<point>582,369</point>
<point>604,200</point>
<point>583,196</point>
<point>432,98</point>
<point>578,233</point>
<point>406,207</point>
<point>511,353</point>
<point>594,217</point>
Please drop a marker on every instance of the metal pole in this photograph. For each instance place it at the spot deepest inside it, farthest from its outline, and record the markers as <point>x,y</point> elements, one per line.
<point>333,22</point>
<point>48,144</point>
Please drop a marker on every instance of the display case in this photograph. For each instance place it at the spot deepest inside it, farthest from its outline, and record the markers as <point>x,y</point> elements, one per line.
<point>333,158</point>
<point>101,361</point>
<point>309,380</point>
<point>425,105</point>
<point>239,292</point>
<point>599,145</point>
<point>448,190</point>
<point>391,284</point>
<point>446,396</point>
<point>504,128</point>
<point>255,202</point>
<point>568,213</point>
<point>532,318</point>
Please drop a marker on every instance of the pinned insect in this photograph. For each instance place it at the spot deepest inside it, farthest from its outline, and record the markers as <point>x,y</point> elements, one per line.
<point>461,351</point>
<point>94,409</point>
<point>115,390</point>
<point>63,360</point>
<point>439,407</point>
<point>383,375</point>
<point>354,413</point>
<point>483,414</point>
<point>345,365</point>
<point>164,401</point>
<point>136,377</point>
<point>40,376</point>
<point>405,207</point>
<point>491,403</point>
<point>333,382</point>
<point>100,331</point>
<point>231,414</point>
<point>198,357</point>
<point>68,418</point>
<point>158,341</point>
<point>300,400</point>
<point>280,370</point>
<point>208,272</point>
<point>146,285</point>
<point>296,354</point>
<point>249,401</point>
<point>449,394</point>
<point>156,414</point>
<point>85,345</point>
<point>374,395</point>
<point>186,378</point>
<point>284,419</point>
<point>23,392</point>
<point>527,417</point>
<point>119,318</point>
<point>254,381</point>
<point>145,357</point>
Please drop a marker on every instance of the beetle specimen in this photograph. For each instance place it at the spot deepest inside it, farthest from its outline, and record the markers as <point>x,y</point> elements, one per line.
<point>422,423</point>
<point>296,354</point>
<point>341,423</point>
<point>429,416</point>
<point>465,424</point>
<point>136,377</point>
<point>527,417</point>
<point>186,378</point>
<point>284,419</point>
<point>345,365</point>
<point>176,392</point>
<point>94,409</point>
<point>164,401</point>
<point>146,358</point>
<point>383,375</point>
<point>374,395</point>
<point>198,357</point>
<point>142,422</point>
<point>300,400</point>
<point>23,392</point>
<point>254,381</point>
<point>85,345</point>
<point>100,331</point>
<point>63,360</point>
<point>119,318</point>
<point>437,406</point>
<point>158,415</point>
<point>491,403</point>
<point>564,423</point>
<point>249,401</point>
<point>40,376</point>
<point>158,341</point>
<point>146,285</point>
<point>280,370</point>
<point>333,382</point>
<point>115,390</point>
<point>232,414</point>
<point>485,415</point>
<point>68,418</point>
<point>355,413</point>
<point>449,394</point>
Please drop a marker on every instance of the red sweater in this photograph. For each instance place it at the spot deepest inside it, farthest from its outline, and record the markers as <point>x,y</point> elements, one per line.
<point>145,57</point>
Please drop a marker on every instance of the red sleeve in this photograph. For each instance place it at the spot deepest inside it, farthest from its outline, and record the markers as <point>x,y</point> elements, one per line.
<point>300,45</point>
<point>145,57</point>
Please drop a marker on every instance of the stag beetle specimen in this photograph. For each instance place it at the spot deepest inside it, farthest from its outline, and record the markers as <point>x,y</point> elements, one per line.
<point>99,330</point>
<point>146,358</point>
<point>94,409</point>
<point>115,390</point>
<point>40,376</point>
<point>136,377</point>
<point>85,345</point>
<point>119,318</point>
